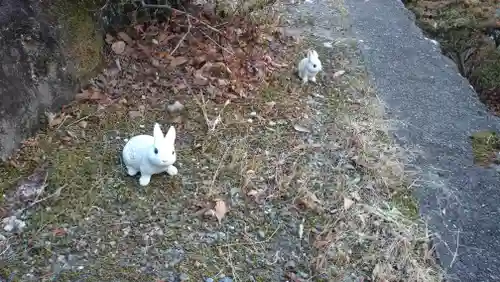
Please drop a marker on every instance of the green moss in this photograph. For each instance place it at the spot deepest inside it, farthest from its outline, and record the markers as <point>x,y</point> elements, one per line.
<point>485,144</point>
<point>82,39</point>
<point>406,203</point>
<point>487,74</point>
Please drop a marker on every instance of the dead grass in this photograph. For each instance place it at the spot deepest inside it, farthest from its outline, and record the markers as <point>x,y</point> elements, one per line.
<point>323,206</point>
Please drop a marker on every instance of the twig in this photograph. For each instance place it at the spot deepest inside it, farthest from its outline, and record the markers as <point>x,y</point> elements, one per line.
<point>166,6</point>
<point>37,201</point>
<point>222,47</point>
<point>203,110</point>
<point>56,193</point>
<point>455,254</point>
<point>210,124</point>
<point>217,171</point>
<point>255,243</point>
<point>183,37</point>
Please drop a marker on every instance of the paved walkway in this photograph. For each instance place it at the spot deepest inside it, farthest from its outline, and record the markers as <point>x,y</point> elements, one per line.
<point>436,111</point>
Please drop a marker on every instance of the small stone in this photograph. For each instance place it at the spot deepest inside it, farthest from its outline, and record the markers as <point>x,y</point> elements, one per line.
<point>134,114</point>
<point>271,104</point>
<point>253,114</point>
<point>209,280</point>
<point>118,47</point>
<point>262,234</point>
<point>183,277</point>
<point>83,124</point>
<point>290,264</point>
<point>226,279</point>
<point>328,44</point>
<point>272,123</point>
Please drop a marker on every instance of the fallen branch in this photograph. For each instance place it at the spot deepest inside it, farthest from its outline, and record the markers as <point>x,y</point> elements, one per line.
<point>222,47</point>
<point>37,201</point>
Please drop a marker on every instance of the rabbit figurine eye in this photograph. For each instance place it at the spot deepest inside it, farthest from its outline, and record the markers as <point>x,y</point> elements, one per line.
<point>314,66</point>
<point>173,153</point>
<point>156,151</point>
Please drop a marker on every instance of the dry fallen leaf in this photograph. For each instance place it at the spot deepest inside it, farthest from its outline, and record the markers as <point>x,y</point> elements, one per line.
<point>58,231</point>
<point>338,73</point>
<point>90,95</point>
<point>348,203</point>
<point>254,193</point>
<point>53,119</point>
<point>309,201</point>
<point>219,211</point>
<point>83,124</point>
<point>109,38</point>
<point>125,37</point>
<point>301,128</point>
<point>356,196</point>
<point>177,61</point>
<point>199,79</point>
<point>71,134</point>
<point>118,47</point>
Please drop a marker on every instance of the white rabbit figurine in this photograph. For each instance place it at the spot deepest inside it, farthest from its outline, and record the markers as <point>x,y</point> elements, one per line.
<point>309,67</point>
<point>150,154</point>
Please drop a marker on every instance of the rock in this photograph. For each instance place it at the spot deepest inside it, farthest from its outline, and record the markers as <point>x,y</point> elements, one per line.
<point>12,224</point>
<point>262,234</point>
<point>175,107</point>
<point>290,264</point>
<point>226,279</point>
<point>41,70</point>
<point>118,47</point>
<point>134,114</point>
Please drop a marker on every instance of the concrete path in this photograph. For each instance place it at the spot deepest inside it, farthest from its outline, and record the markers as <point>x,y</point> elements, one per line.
<point>437,111</point>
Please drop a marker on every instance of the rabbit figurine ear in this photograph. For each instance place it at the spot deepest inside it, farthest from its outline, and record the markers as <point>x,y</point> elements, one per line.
<point>157,134</point>
<point>310,54</point>
<point>170,136</point>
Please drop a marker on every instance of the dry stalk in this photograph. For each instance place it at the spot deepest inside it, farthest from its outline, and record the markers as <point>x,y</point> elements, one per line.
<point>183,37</point>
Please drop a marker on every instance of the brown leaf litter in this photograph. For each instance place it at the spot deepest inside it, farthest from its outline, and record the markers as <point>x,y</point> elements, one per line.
<point>230,66</point>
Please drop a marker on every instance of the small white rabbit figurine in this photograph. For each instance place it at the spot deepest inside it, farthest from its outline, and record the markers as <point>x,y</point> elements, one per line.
<point>150,154</point>
<point>309,67</point>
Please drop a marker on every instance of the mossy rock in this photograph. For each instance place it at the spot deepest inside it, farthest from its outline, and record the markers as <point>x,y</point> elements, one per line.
<point>485,147</point>
<point>81,36</point>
